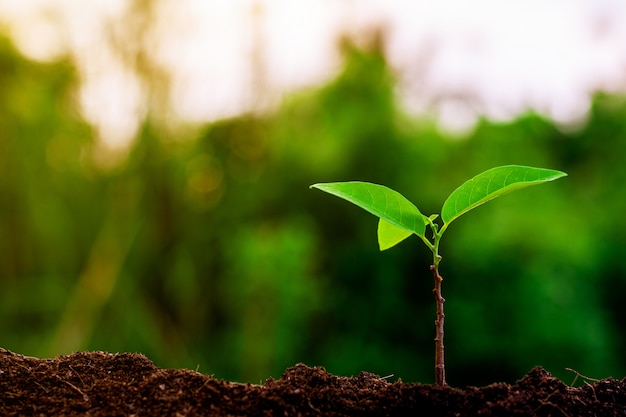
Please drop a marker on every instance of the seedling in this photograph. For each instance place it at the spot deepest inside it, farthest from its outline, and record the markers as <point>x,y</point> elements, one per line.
<point>399,218</point>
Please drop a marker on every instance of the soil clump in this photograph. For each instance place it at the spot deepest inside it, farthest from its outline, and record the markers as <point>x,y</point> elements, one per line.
<point>105,384</point>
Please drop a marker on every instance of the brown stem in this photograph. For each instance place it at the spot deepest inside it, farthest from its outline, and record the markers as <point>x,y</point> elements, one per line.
<point>440,368</point>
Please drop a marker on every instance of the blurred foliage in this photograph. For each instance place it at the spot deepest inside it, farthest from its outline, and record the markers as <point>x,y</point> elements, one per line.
<point>212,253</point>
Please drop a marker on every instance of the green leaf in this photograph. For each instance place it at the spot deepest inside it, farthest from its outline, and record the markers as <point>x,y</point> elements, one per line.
<point>390,235</point>
<point>491,184</point>
<point>381,201</point>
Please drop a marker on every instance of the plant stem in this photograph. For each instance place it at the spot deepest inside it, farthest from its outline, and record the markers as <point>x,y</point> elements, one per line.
<point>440,368</point>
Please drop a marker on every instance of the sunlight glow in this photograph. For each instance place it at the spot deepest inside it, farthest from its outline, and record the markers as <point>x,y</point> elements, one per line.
<point>455,59</point>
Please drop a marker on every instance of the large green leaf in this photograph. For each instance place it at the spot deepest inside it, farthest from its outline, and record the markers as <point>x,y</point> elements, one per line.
<point>381,201</point>
<point>491,184</point>
<point>390,235</point>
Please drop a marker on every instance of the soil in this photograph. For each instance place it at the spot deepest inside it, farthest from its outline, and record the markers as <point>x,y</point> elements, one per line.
<point>105,384</point>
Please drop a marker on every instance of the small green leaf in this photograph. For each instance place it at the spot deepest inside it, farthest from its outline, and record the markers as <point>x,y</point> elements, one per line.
<point>390,235</point>
<point>381,201</point>
<point>491,184</point>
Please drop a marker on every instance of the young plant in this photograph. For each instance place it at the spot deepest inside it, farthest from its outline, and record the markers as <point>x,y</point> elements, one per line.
<point>399,218</point>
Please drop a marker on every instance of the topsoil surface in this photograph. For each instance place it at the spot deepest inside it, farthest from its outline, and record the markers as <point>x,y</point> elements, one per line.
<point>104,384</point>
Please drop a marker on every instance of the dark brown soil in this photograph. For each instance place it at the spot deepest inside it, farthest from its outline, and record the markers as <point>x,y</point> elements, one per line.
<point>104,384</point>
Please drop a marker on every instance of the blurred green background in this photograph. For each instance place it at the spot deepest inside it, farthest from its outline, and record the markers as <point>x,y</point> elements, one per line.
<point>204,248</point>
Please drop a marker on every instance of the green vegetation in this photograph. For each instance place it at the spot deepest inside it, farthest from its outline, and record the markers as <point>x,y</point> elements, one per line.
<point>202,247</point>
<point>399,218</point>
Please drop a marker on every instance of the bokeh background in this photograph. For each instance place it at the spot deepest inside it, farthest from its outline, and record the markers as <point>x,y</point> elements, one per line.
<point>155,159</point>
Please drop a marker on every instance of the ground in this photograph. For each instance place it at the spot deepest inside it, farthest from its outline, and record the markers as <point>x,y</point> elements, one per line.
<point>105,384</point>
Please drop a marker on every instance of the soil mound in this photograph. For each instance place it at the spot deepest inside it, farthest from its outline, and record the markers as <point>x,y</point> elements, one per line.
<point>105,384</point>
